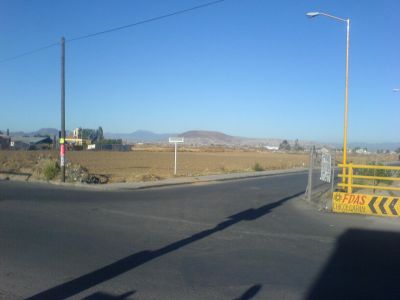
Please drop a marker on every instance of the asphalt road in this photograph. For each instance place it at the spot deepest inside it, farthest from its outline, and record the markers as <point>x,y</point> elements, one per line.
<point>243,239</point>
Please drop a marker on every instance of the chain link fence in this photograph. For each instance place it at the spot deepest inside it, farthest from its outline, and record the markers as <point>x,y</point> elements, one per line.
<point>322,177</point>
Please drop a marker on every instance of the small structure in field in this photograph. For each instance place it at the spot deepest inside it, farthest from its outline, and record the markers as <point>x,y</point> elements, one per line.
<point>272,148</point>
<point>5,142</point>
<point>31,143</point>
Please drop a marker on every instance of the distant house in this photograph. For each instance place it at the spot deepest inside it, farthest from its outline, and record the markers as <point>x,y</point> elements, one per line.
<point>272,148</point>
<point>30,143</point>
<point>5,142</point>
<point>361,150</point>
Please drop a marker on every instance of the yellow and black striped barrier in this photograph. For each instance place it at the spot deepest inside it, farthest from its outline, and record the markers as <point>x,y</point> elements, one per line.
<point>366,204</point>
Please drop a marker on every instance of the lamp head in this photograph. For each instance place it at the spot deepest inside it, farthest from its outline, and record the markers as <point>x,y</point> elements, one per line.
<point>312,14</point>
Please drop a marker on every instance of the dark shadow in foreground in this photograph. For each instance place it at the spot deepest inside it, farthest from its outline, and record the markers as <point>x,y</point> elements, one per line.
<point>105,296</point>
<point>364,265</point>
<point>128,263</point>
<point>250,293</point>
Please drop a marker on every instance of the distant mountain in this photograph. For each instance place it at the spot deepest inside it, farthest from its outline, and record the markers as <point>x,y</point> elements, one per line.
<point>46,131</point>
<point>207,138</point>
<point>17,133</point>
<point>42,132</point>
<point>140,136</point>
<point>202,137</point>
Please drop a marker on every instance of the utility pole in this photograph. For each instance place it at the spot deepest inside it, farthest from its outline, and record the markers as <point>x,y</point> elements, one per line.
<point>310,174</point>
<point>176,148</point>
<point>62,138</point>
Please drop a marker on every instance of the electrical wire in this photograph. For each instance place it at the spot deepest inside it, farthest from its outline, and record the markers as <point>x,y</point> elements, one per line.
<point>146,20</point>
<point>116,29</point>
<point>28,52</point>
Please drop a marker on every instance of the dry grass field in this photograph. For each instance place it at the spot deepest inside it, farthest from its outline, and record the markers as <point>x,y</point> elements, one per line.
<point>155,164</point>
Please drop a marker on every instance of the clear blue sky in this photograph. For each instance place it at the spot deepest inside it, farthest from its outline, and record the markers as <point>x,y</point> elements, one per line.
<point>252,68</point>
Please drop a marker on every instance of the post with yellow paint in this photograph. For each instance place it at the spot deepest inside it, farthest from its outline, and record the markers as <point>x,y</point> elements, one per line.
<point>350,180</point>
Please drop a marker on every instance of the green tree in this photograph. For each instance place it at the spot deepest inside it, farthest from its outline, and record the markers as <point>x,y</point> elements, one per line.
<point>87,133</point>
<point>284,146</point>
<point>100,135</point>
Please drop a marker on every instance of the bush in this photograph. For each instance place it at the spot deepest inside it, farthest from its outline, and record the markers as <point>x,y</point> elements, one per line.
<point>257,167</point>
<point>376,172</point>
<point>51,169</point>
<point>285,146</point>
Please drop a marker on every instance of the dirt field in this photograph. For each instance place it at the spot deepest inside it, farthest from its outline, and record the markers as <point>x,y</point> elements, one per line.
<point>134,166</point>
<point>145,165</point>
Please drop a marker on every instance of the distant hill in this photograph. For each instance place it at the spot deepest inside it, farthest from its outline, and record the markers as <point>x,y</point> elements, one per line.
<point>46,131</point>
<point>41,132</point>
<point>140,136</point>
<point>199,138</point>
<point>207,138</point>
<point>202,137</point>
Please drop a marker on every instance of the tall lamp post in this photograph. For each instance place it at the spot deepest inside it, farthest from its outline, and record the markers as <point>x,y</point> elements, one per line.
<point>346,99</point>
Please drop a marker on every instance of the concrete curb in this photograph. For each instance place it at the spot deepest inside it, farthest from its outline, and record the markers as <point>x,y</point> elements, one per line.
<point>174,181</point>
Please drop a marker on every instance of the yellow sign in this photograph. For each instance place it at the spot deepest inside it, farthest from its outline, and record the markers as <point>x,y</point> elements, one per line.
<point>62,141</point>
<point>366,204</point>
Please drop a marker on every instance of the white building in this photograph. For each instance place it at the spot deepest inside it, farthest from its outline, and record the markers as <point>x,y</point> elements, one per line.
<point>272,148</point>
<point>76,133</point>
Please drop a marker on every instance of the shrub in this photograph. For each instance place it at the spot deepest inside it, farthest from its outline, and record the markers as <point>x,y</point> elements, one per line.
<point>284,146</point>
<point>376,172</point>
<point>257,167</point>
<point>51,169</point>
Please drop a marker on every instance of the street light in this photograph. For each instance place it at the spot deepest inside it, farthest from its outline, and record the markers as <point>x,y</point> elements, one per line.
<point>312,14</point>
<point>346,99</point>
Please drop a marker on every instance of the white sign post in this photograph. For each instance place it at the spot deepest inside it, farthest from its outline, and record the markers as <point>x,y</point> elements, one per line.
<point>326,166</point>
<point>176,140</point>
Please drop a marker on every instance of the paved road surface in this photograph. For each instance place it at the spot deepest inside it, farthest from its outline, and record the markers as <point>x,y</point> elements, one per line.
<point>245,239</point>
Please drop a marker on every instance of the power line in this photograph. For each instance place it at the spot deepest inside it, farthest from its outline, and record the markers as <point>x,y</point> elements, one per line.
<point>147,20</point>
<point>116,29</point>
<point>28,52</point>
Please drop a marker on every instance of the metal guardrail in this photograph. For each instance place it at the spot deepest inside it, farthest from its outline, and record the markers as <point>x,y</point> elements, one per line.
<point>348,175</point>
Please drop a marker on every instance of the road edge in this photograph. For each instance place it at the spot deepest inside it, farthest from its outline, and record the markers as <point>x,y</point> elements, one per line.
<point>177,181</point>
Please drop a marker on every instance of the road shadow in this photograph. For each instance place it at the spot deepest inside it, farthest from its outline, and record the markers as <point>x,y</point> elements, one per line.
<point>84,282</point>
<point>250,293</point>
<point>365,265</point>
<point>105,296</point>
